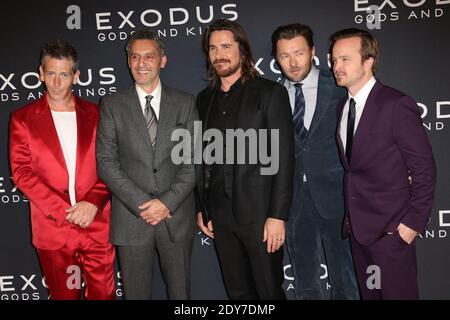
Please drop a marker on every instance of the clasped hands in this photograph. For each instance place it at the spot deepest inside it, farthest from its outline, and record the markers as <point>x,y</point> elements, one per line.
<point>154,211</point>
<point>82,214</point>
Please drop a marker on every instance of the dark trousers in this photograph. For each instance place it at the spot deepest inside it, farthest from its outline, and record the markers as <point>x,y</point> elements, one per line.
<point>136,266</point>
<point>312,239</point>
<point>386,269</point>
<point>249,272</point>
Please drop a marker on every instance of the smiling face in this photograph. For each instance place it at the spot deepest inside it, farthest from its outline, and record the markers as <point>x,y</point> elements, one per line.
<point>145,63</point>
<point>348,68</point>
<point>58,76</point>
<point>224,54</point>
<point>295,57</point>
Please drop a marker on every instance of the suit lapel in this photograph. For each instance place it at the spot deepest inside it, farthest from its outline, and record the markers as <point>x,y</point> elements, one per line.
<point>166,114</point>
<point>43,123</point>
<point>85,130</point>
<point>367,120</point>
<point>297,138</point>
<point>323,99</point>
<point>208,110</point>
<point>339,111</point>
<point>137,118</point>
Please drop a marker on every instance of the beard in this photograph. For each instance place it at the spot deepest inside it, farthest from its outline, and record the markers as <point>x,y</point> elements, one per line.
<point>224,72</point>
<point>301,75</point>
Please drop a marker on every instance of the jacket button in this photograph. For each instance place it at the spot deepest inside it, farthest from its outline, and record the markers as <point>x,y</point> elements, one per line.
<point>155,170</point>
<point>66,191</point>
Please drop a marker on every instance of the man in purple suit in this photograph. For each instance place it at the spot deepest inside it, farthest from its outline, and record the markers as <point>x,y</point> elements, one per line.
<point>390,170</point>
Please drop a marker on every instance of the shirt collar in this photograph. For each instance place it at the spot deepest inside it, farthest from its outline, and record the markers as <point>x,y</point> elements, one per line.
<point>237,84</point>
<point>362,95</point>
<point>310,80</point>
<point>156,93</point>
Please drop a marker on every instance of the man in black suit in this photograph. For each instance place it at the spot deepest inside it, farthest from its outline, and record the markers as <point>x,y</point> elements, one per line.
<point>315,219</point>
<point>246,202</point>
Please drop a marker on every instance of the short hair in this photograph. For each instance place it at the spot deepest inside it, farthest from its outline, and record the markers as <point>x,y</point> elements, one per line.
<point>245,50</point>
<point>289,32</point>
<point>60,49</point>
<point>369,44</point>
<point>146,35</point>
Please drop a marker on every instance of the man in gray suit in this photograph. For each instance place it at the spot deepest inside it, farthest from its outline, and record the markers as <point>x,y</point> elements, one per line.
<point>153,206</point>
<point>313,230</point>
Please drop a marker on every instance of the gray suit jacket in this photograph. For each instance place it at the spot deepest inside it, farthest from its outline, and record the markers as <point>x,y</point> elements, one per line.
<point>135,173</point>
<point>318,157</point>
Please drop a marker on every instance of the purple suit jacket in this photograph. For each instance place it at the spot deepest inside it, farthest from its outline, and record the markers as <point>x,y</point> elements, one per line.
<point>390,144</point>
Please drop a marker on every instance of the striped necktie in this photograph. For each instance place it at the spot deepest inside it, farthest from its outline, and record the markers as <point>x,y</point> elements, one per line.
<point>299,111</point>
<point>152,121</point>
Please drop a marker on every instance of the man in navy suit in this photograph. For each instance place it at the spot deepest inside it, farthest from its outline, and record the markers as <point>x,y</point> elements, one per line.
<point>390,170</point>
<point>315,219</point>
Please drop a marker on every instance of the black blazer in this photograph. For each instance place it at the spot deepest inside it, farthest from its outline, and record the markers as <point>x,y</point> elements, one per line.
<point>255,197</point>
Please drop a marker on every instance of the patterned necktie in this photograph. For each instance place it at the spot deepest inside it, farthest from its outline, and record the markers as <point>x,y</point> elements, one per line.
<point>152,122</point>
<point>350,129</point>
<point>299,111</point>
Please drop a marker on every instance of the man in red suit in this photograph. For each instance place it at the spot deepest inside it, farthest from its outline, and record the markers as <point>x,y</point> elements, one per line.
<point>52,156</point>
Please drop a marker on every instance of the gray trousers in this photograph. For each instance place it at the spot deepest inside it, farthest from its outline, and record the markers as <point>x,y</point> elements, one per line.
<point>136,265</point>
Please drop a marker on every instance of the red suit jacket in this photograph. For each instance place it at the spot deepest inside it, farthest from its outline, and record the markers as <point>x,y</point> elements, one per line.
<point>39,171</point>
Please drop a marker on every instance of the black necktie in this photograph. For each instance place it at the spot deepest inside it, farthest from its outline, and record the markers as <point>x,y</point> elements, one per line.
<point>152,121</point>
<point>299,111</point>
<point>350,129</point>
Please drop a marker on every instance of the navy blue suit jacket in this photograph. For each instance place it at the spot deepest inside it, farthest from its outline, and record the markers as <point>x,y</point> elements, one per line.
<point>318,157</point>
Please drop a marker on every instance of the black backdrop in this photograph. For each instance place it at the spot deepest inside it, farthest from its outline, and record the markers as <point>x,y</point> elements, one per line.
<point>414,37</point>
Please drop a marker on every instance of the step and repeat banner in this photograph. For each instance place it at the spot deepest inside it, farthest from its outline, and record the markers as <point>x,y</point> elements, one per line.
<point>414,37</point>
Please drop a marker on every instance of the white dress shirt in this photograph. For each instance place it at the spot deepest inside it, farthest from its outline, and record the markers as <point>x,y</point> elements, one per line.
<point>360,100</point>
<point>309,88</point>
<point>66,128</point>
<point>156,101</point>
